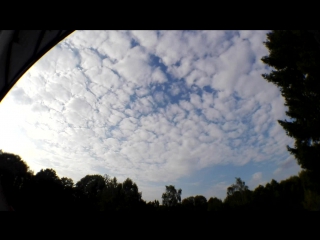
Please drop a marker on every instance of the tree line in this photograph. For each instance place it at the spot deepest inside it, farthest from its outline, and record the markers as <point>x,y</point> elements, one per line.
<point>45,190</point>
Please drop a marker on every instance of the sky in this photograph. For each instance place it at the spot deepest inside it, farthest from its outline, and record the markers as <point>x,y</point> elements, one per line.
<point>182,108</point>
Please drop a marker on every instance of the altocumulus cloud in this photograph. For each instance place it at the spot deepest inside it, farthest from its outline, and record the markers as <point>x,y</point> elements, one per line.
<point>155,106</point>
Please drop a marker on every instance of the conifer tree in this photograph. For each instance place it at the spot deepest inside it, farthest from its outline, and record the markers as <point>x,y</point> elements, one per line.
<point>295,59</point>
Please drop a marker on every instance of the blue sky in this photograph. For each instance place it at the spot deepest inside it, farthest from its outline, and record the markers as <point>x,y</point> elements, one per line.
<point>187,108</point>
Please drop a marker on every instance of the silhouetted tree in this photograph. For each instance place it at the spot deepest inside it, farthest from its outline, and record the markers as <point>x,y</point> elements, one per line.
<point>91,184</point>
<point>90,190</point>
<point>215,204</point>
<point>238,194</point>
<point>197,203</point>
<point>130,190</point>
<point>295,59</point>
<point>132,196</point>
<point>311,185</point>
<point>200,203</point>
<point>154,204</point>
<point>45,191</point>
<point>48,174</point>
<point>171,197</point>
<point>291,193</point>
<point>67,182</point>
<point>112,196</point>
<point>14,173</point>
<point>188,203</point>
<point>311,200</point>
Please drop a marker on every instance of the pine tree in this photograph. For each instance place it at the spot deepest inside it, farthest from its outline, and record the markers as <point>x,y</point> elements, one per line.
<point>295,59</point>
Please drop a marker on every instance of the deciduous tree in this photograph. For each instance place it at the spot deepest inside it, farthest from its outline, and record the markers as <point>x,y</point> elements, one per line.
<point>172,196</point>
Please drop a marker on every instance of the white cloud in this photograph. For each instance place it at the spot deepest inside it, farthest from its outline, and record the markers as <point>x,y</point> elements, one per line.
<point>256,180</point>
<point>89,59</point>
<point>286,168</point>
<point>218,190</point>
<point>174,90</point>
<point>116,46</point>
<point>134,67</point>
<point>147,39</point>
<point>195,100</point>
<point>158,76</point>
<point>96,102</point>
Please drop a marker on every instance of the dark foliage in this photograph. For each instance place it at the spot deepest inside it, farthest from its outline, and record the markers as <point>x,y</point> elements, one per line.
<point>295,59</point>
<point>25,191</point>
